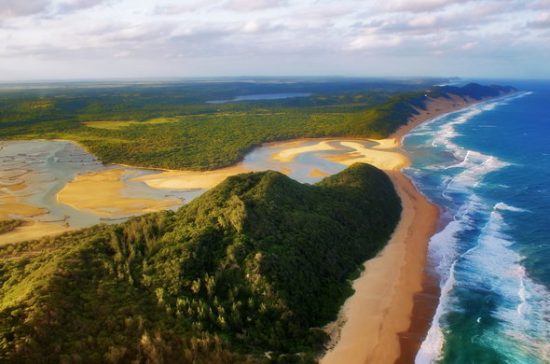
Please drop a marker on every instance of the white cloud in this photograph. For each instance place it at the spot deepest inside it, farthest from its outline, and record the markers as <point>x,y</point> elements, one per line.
<point>419,5</point>
<point>187,37</point>
<point>69,6</point>
<point>251,5</point>
<point>541,21</point>
<point>10,8</point>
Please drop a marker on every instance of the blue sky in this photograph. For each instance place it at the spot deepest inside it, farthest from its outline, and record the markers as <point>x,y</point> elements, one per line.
<point>83,39</point>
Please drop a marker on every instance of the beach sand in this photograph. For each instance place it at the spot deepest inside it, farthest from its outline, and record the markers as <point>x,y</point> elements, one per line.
<point>188,180</point>
<point>289,153</point>
<point>12,207</point>
<point>32,230</point>
<point>379,156</point>
<point>387,317</point>
<point>101,193</point>
<point>376,324</point>
<point>383,299</point>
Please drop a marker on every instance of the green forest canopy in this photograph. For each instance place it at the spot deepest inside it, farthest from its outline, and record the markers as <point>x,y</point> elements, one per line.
<point>248,272</point>
<point>200,135</point>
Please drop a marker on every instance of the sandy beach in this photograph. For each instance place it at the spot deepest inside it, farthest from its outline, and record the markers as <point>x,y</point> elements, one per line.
<point>382,304</point>
<point>31,230</point>
<point>101,193</point>
<point>376,324</point>
<point>188,180</point>
<point>390,312</point>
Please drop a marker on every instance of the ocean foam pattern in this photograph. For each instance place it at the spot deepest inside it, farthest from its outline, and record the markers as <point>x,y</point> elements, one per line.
<point>472,251</point>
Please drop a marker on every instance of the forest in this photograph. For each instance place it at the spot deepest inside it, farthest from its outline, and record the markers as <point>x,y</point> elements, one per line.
<point>201,135</point>
<point>248,272</point>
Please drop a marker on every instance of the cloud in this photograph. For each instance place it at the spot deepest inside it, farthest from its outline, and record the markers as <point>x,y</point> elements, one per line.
<point>252,5</point>
<point>542,21</point>
<point>337,36</point>
<point>69,6</point>
<point>179,8</point>
<point>12,9</point>
<point>417,6</point>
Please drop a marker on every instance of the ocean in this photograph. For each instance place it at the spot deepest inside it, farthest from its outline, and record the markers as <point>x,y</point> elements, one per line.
<point>488,168</point>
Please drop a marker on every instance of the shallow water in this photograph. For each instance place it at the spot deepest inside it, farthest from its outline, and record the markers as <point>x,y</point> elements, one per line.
<point>45,167</point>
<point>488,167</point>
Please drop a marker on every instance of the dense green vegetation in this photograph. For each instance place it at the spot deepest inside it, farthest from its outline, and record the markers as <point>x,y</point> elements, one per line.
<point>202,135</point>
<point>248,272</point>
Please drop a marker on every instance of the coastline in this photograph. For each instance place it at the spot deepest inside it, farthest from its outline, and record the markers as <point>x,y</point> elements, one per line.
<point>388,316</point>
<point>395,298</point>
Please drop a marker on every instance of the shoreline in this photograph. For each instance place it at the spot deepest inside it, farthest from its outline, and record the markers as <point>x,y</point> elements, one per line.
<point>388,316</point>
<point>383,301</point>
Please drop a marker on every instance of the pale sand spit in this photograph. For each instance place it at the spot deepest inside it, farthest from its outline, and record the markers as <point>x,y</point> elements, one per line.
<point>289,154</point>
<point>189,180</point>
<point>101,193</point>
<point>316,172</point>
<point>379,157</point>
<point>32,230</point>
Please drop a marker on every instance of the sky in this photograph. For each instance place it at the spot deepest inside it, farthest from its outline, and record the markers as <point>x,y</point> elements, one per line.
<point>105,39</point>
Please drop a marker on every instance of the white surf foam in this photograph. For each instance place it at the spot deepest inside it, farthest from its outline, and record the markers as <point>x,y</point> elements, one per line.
<point>443,245</point>
<point>494,264</point>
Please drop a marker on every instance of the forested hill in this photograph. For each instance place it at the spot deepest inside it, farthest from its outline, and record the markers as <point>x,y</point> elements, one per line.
<point>248,272</point>
<point>172,126</point>
<point>472,91</point>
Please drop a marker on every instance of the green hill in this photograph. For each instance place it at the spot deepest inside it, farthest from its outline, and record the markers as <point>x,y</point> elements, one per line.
<point>248,272</point>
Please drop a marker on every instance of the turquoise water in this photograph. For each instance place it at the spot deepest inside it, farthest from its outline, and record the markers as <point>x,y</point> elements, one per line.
<point>488,167</point>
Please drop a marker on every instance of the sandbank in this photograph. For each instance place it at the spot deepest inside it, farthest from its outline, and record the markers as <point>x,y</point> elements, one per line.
<point>101,193</point>
<point>289,154</point>
<point>379,157</point>
<point>316,172</point>
<point>189,180</point>
<point>31,230</point>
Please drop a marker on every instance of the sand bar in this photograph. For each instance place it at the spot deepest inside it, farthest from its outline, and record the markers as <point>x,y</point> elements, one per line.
<point>289,154</point>
<point>32,230</point>
<point>189,180</point>
<point>101,193</point>
<point>379,157</point>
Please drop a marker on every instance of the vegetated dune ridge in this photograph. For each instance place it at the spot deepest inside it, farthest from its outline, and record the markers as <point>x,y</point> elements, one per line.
<point>247,272</point>
<point>376,324</point>
<point>109,201</point>
<point>394,320</point>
